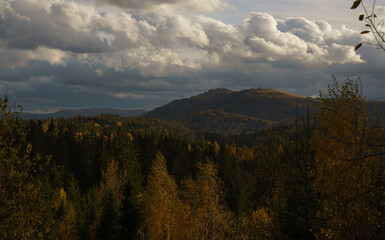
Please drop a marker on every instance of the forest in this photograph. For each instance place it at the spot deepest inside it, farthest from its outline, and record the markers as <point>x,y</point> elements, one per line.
<point>109,177</point>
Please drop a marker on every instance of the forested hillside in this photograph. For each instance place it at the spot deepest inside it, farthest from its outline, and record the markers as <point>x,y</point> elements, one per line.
<point>266,104</point>
<point>249,110</point>
<point>109,177</point>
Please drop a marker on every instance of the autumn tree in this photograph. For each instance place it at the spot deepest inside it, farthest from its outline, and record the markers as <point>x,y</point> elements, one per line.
<point>65,217</point>
<point>208,216</point>
<point>111,179</point>
<point>22,202</point>
<point>345,163</point>
<point>111,193</point>
<point>160,203</point>
<point>258,225</point>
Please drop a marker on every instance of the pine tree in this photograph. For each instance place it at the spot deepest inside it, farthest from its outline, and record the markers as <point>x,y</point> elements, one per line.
<point>298,218</point>
<point>130,214</point>
<point>109,226</point>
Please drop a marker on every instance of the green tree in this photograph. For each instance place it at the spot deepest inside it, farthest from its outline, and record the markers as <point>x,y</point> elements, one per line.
<point>109,226</point>
<point>129,214</point>
<point>300,202</point>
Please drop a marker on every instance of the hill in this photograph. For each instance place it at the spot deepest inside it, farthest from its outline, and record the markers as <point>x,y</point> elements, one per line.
<point>223,109</point>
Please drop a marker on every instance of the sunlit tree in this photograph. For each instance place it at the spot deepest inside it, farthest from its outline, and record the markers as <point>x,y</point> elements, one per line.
<point>160,203</point>
<point>346,163</point>
<point>22,203</point>
<point>208,216</point>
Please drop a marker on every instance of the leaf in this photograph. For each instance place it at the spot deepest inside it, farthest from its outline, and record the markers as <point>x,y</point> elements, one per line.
<point>368,25</point>
<point>358,46</point>
<point>361,17</point>
<point>365,32</point>
<point>356,4</point>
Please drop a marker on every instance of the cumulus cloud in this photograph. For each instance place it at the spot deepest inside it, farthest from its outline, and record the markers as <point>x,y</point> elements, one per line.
<point>67,26</point>
<point>198,5</point>
<point>16,58</point>
<point>160,44</point>
<point>126,54</point>
<point>297,39</point>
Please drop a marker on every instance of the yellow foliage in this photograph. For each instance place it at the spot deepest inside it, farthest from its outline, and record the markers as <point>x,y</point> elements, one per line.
<point>346,164</point>
<point>111,179</point>
<point>130,137</point>
<point>78,136</point>
<point>160,203</point>
<point>62,199</point>
<point>207,218</point>
<point>258,226</point>
<point>216,147</point>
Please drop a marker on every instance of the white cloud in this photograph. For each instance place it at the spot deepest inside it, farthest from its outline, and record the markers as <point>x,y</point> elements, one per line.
<point>306,42</point>
<point>161,44</point>
<point>67,26</point>
<point>197,5</point>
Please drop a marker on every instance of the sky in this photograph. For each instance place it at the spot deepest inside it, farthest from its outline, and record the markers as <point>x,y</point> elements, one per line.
<point>60,54</point>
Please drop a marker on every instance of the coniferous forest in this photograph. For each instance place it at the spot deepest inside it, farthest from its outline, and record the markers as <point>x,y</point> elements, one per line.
<point>320,176</point>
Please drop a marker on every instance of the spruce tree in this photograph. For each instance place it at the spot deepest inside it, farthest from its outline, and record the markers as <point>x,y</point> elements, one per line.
<point>129,211</point>
<point>109,226</point>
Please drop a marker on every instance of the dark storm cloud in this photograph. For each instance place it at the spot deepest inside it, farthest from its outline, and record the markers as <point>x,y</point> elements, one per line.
<point>41,86</point>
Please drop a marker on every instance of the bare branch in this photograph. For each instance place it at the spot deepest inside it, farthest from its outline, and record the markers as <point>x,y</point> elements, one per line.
<point>376,28</point>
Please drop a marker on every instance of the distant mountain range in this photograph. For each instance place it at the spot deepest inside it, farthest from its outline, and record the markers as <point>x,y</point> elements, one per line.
<point>84,112</point>
<point>218,110</point>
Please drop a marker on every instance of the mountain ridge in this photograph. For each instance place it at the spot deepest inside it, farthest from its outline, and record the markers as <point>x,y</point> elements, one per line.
<point>264,104</point>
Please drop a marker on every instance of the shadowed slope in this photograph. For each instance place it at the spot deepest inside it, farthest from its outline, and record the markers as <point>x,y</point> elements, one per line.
<point>263,104</point>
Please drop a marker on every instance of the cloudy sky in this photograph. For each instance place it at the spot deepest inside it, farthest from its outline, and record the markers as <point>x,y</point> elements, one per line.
<point>57,54</point>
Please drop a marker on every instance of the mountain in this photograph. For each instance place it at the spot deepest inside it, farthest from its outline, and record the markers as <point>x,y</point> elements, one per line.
<point>250,105</point>
<point>221,109</point>
<point>84,112</point>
